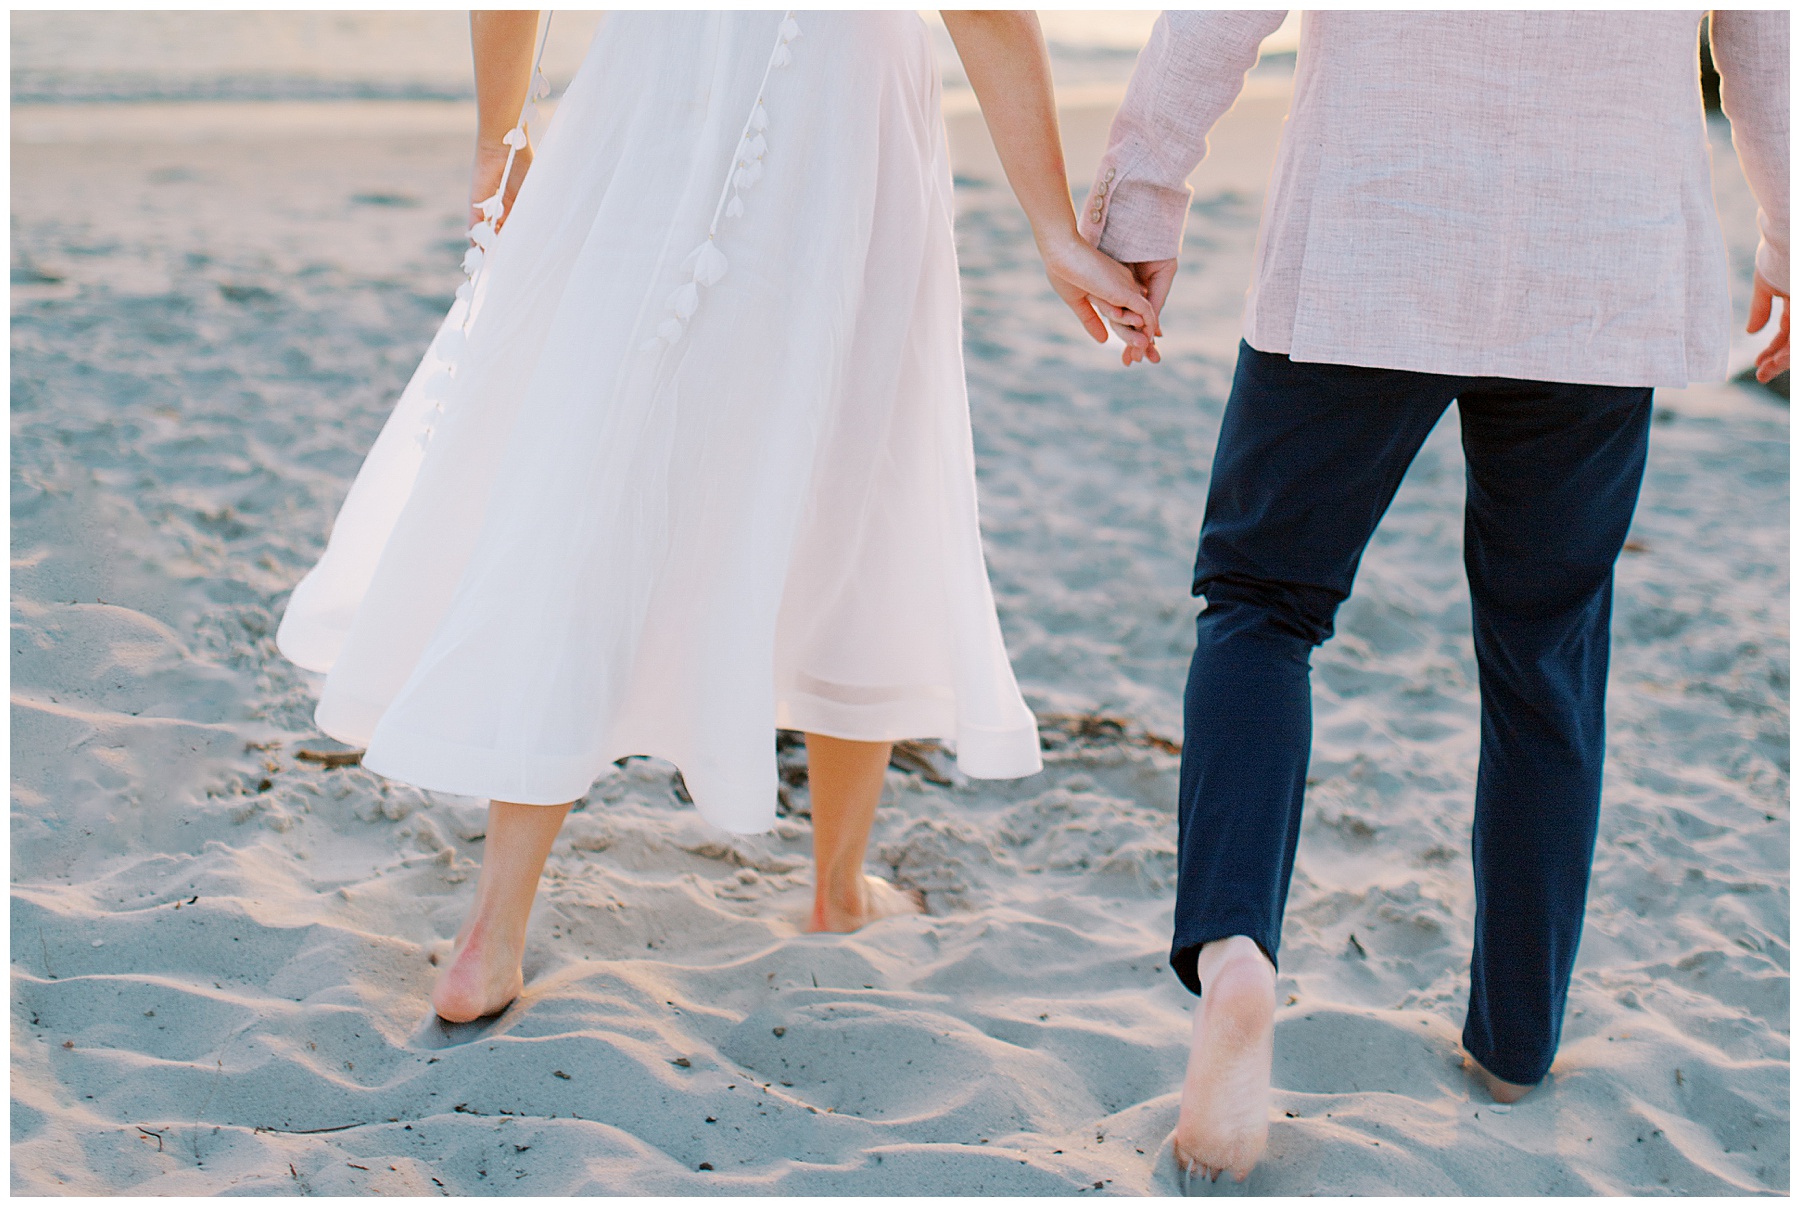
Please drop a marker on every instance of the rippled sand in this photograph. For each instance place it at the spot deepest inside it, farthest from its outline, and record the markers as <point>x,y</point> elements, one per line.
<point>220,954</point>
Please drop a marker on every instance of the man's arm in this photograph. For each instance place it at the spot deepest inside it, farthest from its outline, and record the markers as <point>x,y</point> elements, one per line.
<point>1187,76</point>
<point>1750,50</point>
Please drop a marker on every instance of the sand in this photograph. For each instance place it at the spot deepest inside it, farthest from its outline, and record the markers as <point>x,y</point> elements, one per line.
<point>221,953</point>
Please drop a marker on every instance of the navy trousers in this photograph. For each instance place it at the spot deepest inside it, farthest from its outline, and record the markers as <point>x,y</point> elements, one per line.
<point>1308,460</point>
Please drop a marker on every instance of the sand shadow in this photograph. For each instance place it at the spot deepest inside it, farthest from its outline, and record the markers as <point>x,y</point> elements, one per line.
<point>434,1034</point>
<point>1167,1177</point>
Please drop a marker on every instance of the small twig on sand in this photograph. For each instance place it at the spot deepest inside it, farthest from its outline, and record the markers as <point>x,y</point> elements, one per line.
<point>1060,729</point>
<point>219,1064</point>
<point>308,1131</point>
<point>926,759</point>
<point>330,758</point>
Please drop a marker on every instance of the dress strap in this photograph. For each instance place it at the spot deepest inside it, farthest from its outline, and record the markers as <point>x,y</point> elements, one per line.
<point>706,263</point>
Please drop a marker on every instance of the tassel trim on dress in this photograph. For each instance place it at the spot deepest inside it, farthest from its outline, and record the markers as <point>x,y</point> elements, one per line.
<point>706,264</point>
<point>453,340</point>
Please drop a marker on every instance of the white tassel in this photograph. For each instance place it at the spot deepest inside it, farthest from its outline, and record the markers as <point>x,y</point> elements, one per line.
<point>685,300</point>
<point>482,235</point>
<point>515,137</point>
<point>450,345</point>
<point>472,261</point>
<point>436,387</point>
<point>709,264</point>
<point>492,207</point>
<point>423,439</point>
<point>540,85</point>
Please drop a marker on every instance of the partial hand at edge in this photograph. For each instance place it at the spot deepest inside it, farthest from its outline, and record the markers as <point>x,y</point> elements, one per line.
<point>1774,358</point>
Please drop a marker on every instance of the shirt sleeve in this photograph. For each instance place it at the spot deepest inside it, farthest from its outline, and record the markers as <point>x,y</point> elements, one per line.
<point>1750,50</point>
<point>1188,75</point>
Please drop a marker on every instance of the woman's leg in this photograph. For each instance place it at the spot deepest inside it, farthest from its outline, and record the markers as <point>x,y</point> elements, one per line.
<point>846,779</point>
<point>484,974</point>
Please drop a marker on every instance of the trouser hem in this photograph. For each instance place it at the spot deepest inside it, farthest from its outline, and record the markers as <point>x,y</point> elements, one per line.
<point>1186,950</point>
<point>1507,1068</point>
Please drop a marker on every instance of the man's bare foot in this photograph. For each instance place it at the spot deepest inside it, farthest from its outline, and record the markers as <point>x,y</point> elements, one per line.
<point>878,899</point>
<point>1224,1121</point>
<point>480,978</point>
<point>1501,1091</point>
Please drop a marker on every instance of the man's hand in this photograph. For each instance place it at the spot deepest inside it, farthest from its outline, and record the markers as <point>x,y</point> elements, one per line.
<point>1097,287</point>
<point>1154,277</point>
<point>1774,358</point>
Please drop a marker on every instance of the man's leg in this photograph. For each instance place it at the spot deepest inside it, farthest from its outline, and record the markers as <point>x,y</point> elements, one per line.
<point>1309,457</point>
<point>1553,474</point>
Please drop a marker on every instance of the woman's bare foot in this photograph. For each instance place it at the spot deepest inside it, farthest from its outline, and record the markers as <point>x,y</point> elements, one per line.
<point>1501,1091</point>
<point>481,978</point>
<point>879,899</point>
<point>846,778</point>
<point>483,973</point>
<point>1224,1121</point>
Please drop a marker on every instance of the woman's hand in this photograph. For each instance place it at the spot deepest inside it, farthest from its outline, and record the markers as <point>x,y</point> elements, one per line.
<point>502,43</point>
<point>490,162</point>
<point>1008,66</point>
<point>1100,290</point>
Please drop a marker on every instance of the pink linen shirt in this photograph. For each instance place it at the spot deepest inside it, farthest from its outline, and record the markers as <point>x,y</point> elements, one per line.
<point>1516,194</point>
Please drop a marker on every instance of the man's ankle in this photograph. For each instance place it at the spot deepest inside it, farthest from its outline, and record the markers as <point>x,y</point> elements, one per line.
<point>1213,957</point>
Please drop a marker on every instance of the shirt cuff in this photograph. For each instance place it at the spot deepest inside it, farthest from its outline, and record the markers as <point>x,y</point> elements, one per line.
<point>1773,265</point>
<point>1132,220</point>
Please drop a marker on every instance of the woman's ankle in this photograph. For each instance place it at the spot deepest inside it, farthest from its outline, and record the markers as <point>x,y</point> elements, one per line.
<point>839,894</point>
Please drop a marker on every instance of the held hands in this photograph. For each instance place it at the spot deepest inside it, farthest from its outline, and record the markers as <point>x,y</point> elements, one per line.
<point>1154,277</point>
<point>1100,290</point>
<point>1774,358</point>
<point>1088,287</point>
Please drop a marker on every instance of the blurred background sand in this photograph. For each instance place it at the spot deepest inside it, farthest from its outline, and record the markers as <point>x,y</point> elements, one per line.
<point>232,235</point>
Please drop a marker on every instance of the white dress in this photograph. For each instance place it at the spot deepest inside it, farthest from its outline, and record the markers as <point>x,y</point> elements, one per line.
<point>628,513</point>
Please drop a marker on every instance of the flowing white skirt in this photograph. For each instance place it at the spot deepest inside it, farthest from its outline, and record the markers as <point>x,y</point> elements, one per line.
<point>614,544</point>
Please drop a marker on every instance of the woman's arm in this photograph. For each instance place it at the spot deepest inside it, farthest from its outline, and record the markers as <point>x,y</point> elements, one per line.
<point>1008,65</point>
<point>503,42</point>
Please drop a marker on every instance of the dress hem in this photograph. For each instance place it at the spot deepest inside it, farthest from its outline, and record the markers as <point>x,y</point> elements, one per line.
<point>539,779</point>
